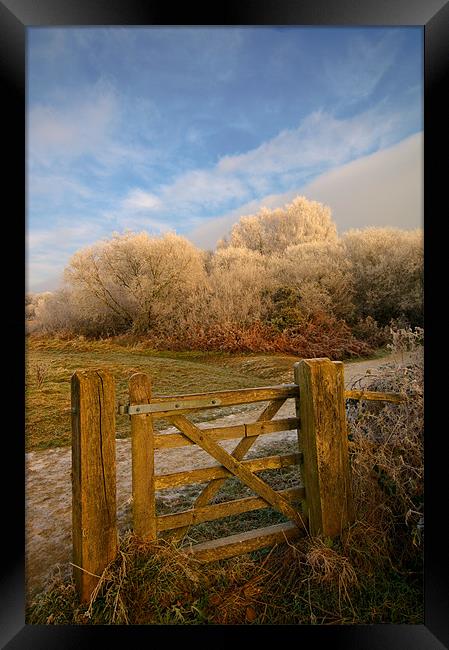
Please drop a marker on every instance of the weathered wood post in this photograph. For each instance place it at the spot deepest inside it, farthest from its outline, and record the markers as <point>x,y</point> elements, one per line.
<point>94,528</point>
<point>324,444</point>
<point>142,436</point>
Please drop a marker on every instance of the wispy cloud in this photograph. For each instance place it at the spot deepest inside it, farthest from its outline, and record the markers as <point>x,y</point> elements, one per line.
<point>55,189</point>
<point>354,74</point>
<point>135,212</point>
<point>86,129</point>
<point>203,187</point>
<point>62,236</point>
<point>321,141</point>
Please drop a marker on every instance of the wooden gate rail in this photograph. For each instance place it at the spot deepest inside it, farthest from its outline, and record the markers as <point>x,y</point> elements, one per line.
<point>323,503</point>
<point>146,523</point>
<point>252,540</point>
<point>203,474</point>
<point>167,405</point>
<point>375,396</point>
<point>173,440</point>
<point>199,514</point>
<point>238,453</point>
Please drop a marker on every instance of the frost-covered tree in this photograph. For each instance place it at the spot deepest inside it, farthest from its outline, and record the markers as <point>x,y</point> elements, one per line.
<point>144,281</point>
<point>272,231</point>
<point>53,311</point>
<point>237,280</point>
<point>387,269</point>
<point>312,278</point>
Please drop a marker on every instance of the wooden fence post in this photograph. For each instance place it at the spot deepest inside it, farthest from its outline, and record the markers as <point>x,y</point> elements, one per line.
<point>324,445</point>
<point>94,528</point>
<point>144,500</point>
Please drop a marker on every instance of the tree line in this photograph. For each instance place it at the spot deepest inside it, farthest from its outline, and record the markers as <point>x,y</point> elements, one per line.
<point>281,275</point>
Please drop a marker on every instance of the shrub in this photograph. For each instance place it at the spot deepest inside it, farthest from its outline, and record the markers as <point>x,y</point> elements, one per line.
<point>387,456</point>
<point>320,274</point>
<point>237,284</point>
<point>314,337</point>
<point>369,331</point>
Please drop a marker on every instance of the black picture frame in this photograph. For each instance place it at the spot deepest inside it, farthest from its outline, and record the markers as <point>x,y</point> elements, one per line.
<point>15,17</point>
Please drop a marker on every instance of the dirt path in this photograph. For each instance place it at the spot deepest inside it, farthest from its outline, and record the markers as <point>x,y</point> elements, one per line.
<point>49,498</point>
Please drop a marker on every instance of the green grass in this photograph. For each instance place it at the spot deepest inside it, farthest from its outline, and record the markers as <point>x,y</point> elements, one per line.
<point>50,365</point>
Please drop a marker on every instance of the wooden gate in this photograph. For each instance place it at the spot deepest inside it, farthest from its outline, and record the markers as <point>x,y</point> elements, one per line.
<point>322,504</point>
<point>144,409</point>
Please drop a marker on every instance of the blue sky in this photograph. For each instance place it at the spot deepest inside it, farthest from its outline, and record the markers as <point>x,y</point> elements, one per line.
<point>186,128</point>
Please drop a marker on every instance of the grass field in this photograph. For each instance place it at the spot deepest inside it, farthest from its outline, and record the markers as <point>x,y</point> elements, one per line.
<point>50,363</point>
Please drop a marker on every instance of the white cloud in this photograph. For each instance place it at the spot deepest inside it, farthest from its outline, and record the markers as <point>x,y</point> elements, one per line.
<point>382,189</point>
<point>62,236</point>
<point>320,139</point>
<point>203,187</point>
<point>138,200</point>
<point>138,221</point>
<point>55,188</point>
<point>135,212</point>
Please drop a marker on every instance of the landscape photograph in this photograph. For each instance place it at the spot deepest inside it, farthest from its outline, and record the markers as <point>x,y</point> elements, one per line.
<point>224,315</point>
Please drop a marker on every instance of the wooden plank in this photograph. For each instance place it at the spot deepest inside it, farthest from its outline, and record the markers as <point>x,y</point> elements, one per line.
<point>174,440</point>
<point>219,510</point>
<point>239,452</point>
<point>241,543</point>
<point>261,428</point>
<point>324,443</point>
<point>223,398</point>
<point>142,445</point>
<point>204,474</point>
<point>375,396</point>
<point>94,530</point>
<point>237,468</point>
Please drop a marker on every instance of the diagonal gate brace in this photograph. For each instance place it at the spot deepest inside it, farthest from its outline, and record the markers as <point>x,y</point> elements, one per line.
<point>239,452</point>
<point>238,469</point>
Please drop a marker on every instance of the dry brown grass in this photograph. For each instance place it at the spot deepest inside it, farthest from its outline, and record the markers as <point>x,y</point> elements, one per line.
<point>318,336</point>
